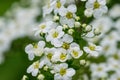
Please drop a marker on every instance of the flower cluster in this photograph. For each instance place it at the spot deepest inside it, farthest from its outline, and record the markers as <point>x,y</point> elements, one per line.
<point>16,23</point>
<point>108,68</point>
<point>61,38</point>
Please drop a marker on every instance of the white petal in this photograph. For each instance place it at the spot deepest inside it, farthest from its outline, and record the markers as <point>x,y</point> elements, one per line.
<point>98,48</point>
<point>97,13</point>
<point>57,77</point>
<point>64,65</point>
<point>102,2</point>
<point>72,8</point>
<point>67,38</point>
<point>104,9</point>
<point>70,72</point>
<point>31,56</point>
<point>70,23</point>
<point>74,45</point>
<point>57,43</point>
<point>86,49</point>
<point>30,69</point>
<point>29,48</point>
<point>62,11</point>
<point>89,5</point>
<point>41,44</point>
<point>35,72</point>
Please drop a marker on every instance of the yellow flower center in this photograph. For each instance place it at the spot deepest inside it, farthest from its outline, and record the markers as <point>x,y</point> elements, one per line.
<point>63,56</point>
<point>65,45</point>
<point>92,48</point>
<point>99,69</point>
<point>62,71</point>
<point>106,48</point>
<point>35,46</point>
<point>42,27</point>
<point>75,53</point>
<point>49,56</point>
<point>58,4</point>
<point>55,34</point>
<point>96,5</point>
<point>69,15</point>
<point>36,65</point>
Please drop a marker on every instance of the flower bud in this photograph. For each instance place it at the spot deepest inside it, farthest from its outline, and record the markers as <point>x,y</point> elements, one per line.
<point>70,31</point>
<point>24,77</point>
<point>56,18</point>
<point>65,26</point>
<point>41,77</point>
<point>84,25</point>
<point>77,18</point>
<point>82,62</point>
<point>88,28</point>
<point>88,12</point>
<point>97,31</point>
<point>45,68</point>
<point>77,24</point>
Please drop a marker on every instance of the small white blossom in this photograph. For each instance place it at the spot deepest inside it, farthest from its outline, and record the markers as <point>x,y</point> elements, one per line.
<point>36,50</point>
<point>54,35</point>
<point>34,68</point>
<point>62,72</point>
<point>92,49</point>
<point>98,7</point>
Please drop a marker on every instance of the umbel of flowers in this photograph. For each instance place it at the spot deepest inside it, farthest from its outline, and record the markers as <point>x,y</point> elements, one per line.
<point>62,48</point>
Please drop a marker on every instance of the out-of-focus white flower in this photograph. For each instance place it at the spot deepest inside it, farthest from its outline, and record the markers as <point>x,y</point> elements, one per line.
<point>98,6</point>
<point>115,11</point>
<point>92,49</point>
<point>117,25</point>
<point>115,76</point>
<point>62,72</point>
<point>36,50</point>
<point>99,70</point>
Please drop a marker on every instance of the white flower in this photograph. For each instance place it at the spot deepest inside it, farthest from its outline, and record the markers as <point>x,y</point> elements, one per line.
<point>49,52</point>
<point>99,70</point>
<point>67,39</point>
<point>68,16</point>
<point>62,72</point>
<point>36,50</point>
<point>98,7</point>
<point>92,49</point>
<point>54,35</point>
<point>61,55</point>
<point>115,76</point>
<point>54,5</point>
<point>76,52</point>
<point>34,68</point>
<point>43,27</point>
